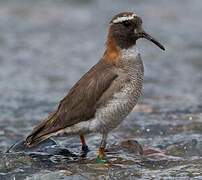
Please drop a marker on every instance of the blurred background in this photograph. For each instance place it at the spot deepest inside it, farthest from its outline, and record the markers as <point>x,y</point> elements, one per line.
<point>47,45</point>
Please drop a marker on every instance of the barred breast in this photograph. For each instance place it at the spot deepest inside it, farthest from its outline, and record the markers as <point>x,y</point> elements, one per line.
<point>116,109</point>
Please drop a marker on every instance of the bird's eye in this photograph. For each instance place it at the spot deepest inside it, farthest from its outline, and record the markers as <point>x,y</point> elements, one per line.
<point>126,23</point>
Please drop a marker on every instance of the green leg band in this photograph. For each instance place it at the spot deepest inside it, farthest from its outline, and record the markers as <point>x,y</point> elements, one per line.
<point>100,160</point>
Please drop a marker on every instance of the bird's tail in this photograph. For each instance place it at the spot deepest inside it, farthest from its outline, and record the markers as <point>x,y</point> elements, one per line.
<point>41,132</point>
<point>34,139</point>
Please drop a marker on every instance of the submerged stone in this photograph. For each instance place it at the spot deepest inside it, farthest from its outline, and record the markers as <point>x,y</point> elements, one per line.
<point>9,162</point>
<point>190,147</point>
<point>49,146</point>
<point>131,146</point>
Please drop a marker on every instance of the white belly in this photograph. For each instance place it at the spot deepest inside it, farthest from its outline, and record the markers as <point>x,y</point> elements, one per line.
<point>116,110</point>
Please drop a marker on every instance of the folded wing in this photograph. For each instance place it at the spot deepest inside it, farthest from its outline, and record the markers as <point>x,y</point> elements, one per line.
<point>79,104</point>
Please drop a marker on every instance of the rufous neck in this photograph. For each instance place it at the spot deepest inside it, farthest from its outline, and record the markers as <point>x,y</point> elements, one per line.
<point>112,52</point>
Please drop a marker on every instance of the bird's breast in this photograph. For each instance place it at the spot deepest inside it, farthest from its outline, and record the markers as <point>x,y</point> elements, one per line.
<point>110,115</point>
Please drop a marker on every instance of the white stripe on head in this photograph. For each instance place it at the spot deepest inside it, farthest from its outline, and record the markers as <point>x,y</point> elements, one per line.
<point>123,18</point>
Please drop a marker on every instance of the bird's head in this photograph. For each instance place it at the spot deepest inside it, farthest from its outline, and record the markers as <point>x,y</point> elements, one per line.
<point>126,28</point>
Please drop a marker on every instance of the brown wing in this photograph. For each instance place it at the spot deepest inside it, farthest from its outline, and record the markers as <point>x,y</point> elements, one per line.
<point>79,104</point>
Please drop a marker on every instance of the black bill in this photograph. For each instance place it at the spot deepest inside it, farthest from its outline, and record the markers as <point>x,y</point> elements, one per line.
<point>148,37</point>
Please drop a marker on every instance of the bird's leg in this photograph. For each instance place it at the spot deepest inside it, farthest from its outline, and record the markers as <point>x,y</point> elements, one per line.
<point>102,148</point>
<point>84,146</point>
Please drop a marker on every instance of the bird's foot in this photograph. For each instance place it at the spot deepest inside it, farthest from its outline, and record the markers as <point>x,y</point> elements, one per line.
<point>85,149</point>
<point>101,160</point>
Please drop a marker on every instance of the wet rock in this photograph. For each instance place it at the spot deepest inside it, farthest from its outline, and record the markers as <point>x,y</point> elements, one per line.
<point>158,155</point>
<point>22,147</point>
<point>185,148</point>
<point>193,127</point>
<point>131,146</point>
<point>9,162</point>
<point>66,172</point>
<point>47,176</point>
<point>151,151</point>
<point>49,146</point>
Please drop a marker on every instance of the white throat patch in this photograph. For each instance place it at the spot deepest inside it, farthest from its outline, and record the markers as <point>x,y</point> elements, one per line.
<point>130,52</point>
<point>123,18</point>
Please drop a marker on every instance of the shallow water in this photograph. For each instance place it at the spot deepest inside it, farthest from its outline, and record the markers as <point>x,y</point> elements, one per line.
<point>46,46</point>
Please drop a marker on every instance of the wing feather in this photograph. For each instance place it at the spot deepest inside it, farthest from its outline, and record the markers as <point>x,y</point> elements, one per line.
<point>79,104</point>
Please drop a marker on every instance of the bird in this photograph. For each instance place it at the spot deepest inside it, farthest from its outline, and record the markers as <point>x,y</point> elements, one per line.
<point>106,94</point>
